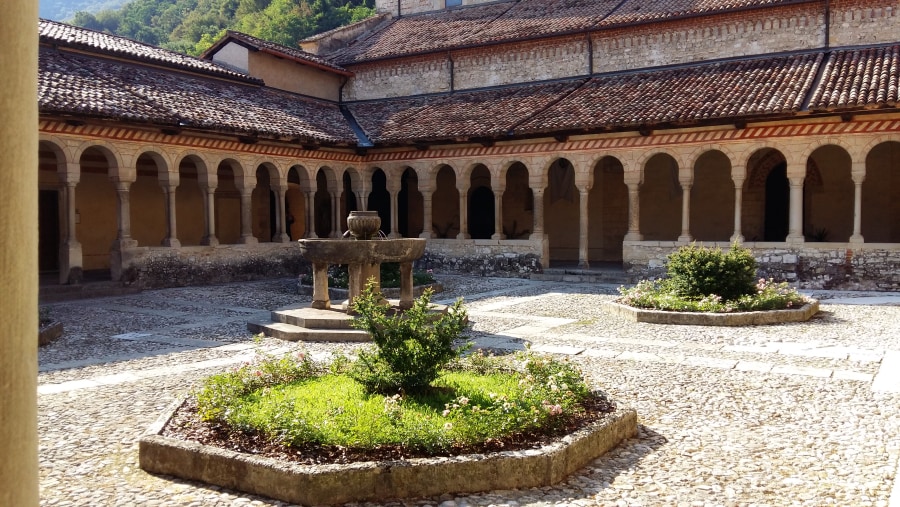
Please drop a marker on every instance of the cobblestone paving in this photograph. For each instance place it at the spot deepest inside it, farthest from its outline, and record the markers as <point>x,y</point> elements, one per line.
<point>798,414</point>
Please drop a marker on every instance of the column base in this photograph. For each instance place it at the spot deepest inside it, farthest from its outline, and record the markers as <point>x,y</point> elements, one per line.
<point>281,238</point>
<point>248,240</point>
<point>463,235</point>
<point>171,243</point>
<point>498,236</point>
<point>795,239</point>
<point>737,238</point>
<point>210,241</point>
<point>426,235</point>
<point>685,238</point>
<point>857,239</point>
<point>634,236</point>
<point>584,265</point>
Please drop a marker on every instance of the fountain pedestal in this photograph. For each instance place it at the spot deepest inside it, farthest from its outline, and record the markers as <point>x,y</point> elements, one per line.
<point>364,256</point>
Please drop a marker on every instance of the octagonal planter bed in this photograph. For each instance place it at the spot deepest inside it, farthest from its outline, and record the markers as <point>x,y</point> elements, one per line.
<point>634,314</point>
<point>382,480</point>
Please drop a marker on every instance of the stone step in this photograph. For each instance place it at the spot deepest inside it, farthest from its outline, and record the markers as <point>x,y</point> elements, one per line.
<point>313,318</point>
<point>294,333</point>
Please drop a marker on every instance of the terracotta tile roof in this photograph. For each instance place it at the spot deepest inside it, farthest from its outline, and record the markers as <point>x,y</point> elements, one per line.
<point>278,49</point>
<point>642,11</point>
<point>525,19</point>
<point>685,95</point>
<point>461,115</point>
<point>62,34</point>
<point>82,85</point>
<point>717,91</point>
<point>867,78</point>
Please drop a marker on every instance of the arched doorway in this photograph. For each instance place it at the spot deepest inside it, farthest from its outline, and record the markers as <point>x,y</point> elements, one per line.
<point>660,198</point>
<point>96,214</point>
<point>410,205</point>
<point>881,194</point>
<point>51,209</point>
<point>828,194</point>
<point>712,198</point>
<point>380,199</point>
<point>228,203</point>
<point>607,211</point>
<point>445,204</point>
<point>766,203</point>
<point>518,203</point>
<point>481,204</point>
<point>561,206</point>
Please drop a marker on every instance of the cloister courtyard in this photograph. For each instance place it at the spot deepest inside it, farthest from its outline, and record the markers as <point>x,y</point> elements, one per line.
<point>792,414</point>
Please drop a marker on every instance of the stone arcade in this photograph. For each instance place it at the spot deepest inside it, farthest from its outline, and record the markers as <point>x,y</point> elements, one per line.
<point>612,134</point>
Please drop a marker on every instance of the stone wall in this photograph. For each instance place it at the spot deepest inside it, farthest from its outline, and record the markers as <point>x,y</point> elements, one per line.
<point>738,34</point>
<point>809,266</point>
<point>483,257</point>
<point>175,267</point>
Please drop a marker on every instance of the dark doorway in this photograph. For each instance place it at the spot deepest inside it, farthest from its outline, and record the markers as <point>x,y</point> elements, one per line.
<point>481,213</point>
<point>777,204</point>
<point>48,230</point>
<point>380,200</point>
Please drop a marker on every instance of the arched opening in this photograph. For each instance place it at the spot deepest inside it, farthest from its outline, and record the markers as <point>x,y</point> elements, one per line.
<point>828,195</point>
<point>410,205</point>
<point>518,203</point>
<point>295,203</point>
<point>881,194</point>
<point>445,204</point>
<point>607,211</point>
<point>380,199</point>
<point>481,204</point>
<point>148,202</point>
<point>262,206</point>
<point>349,201</point>
<point>96,213</point>
<point>189,203</point>
<point>712,198</point>
<point>228,203</point>
<point>561,205</point>
<point>51,209</point>
<point>660,198</point>
<point>766,198</point>
<point>322,202</point>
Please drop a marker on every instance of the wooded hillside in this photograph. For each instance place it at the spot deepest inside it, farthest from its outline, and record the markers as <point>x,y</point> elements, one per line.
<point>191,26</point>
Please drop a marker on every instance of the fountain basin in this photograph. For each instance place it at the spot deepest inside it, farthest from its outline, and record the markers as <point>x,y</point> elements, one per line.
<point>337,251</point>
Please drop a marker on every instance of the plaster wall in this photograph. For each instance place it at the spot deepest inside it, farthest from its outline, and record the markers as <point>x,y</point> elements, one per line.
<point>294,77</point>
<point>233,55</point>
<point>95,200</point>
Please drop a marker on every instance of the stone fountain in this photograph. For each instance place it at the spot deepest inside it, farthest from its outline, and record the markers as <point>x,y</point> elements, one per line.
<point>363,253</point>
<point>363,250</point>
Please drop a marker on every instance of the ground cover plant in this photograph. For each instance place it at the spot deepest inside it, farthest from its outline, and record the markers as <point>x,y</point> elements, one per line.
<point>700,279</point>
<point>414,394</point>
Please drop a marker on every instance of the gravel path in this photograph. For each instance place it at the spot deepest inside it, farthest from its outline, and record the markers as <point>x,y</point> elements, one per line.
<point>799,414</point>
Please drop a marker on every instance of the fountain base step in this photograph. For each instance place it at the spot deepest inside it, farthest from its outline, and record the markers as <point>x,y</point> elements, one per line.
<point>302,323</point>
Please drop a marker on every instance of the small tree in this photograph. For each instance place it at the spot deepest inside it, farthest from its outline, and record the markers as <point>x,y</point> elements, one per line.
<point>696,271</point>
<point>411,347</point>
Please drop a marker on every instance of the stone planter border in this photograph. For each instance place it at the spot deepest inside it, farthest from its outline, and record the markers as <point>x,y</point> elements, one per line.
<point>631,313</point>
<point>50,333</point>
<point>380,481</point>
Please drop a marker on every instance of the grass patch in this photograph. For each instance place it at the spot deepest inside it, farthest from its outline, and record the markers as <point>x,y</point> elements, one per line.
<point>295,403</point>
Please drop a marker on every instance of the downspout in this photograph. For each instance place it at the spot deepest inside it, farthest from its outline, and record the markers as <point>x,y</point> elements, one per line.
<point>341,90</point>
<point>452,81</point>
<point>590,42</point>
<point>827,24</point>
<point>398,9</point>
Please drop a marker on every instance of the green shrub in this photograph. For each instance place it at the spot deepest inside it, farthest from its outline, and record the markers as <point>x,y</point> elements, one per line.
<point>695,271</point>
<point>411,347</point>
<point>339,276</point>
<point>659,295</point>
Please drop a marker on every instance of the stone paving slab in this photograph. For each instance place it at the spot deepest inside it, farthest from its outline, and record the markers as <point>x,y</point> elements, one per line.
<point>811,427</point>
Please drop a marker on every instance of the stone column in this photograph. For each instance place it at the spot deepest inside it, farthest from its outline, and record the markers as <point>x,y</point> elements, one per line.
<point>498,215</point>
<point>335,215</point>
<point>281,235</point>
<point>171,239</point>
<point>311,215</point>
<point>795,223</point>
<point>538,229</point>
<point>685,236</point>
<point>209,202</point>
<point>463,189</point>
<point>362,201</point>
<point>71,259</point>
<point>427,227</point>
<point>634,212</point>
<point>859,176</point>
<point>247,237</point>
<point>123,195</point>
<point>583,234</point>
<point>406,285</point>
<point>18,264</point>
<point>738,236</point>
<point>321,300</point>
<point>394,194</point>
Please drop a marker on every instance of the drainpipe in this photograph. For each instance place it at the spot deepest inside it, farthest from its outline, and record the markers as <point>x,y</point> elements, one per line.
<point>452,82</point>
<point>590,42</point>
<point>827,24</point>
<point>398,8</point>
<point>341,89</point>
